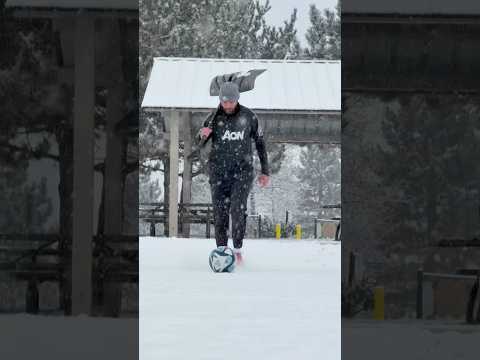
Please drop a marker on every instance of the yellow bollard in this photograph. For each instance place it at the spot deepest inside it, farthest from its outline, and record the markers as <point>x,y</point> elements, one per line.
<point>298,231</point>
<point>278,231</point>
<point>379,303</point>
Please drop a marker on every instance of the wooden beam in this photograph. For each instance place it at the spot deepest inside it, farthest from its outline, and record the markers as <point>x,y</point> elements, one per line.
<point>83,124</point>
<point>410,19</point>
<point>174,120</point>
<point>66,73</point>
<point>301,141</point>
<point>433,90</point>
<point>55,12</point>
<point>257,111</point>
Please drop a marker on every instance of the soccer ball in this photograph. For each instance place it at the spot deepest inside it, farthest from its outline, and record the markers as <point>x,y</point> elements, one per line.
<point>222,259</point>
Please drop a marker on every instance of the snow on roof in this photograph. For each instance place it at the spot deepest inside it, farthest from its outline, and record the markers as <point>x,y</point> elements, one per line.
<point>289,85</point>
<point>412,7</point>
<point>75,4</point>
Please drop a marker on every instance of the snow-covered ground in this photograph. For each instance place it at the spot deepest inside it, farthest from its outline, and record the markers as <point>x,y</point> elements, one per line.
<point>27,337</point>
<point>410,339</point>
<point>283,304</point>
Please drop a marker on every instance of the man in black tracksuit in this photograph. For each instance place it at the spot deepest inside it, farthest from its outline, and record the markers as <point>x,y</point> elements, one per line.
<point>232,127</point>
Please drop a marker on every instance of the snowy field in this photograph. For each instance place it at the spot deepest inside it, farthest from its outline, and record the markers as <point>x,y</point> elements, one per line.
<point>283,304</point>
<point>28,337</point>
<point>410,339</point>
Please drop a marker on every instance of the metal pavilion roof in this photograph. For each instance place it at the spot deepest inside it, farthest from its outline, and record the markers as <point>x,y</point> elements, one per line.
<point>75,4</point>
<point>287,85</point>
<point>412,7</point>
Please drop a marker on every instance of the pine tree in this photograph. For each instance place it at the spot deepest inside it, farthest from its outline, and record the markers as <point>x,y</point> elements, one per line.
<point>32,106</point>
<point>25,207</point>
<point>37,107</point>
<point>324,34</point>
<point>283,193</point>
<point>319,176</point>
<point>432,171</point>
<point>319,172</point>
<point>209,29</point>
<point>150,190</point>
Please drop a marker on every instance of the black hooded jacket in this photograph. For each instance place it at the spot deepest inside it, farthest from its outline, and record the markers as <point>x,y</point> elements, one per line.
<point>232,138</point>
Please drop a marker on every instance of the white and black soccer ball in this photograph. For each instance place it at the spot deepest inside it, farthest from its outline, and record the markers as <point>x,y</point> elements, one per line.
<point>222,259</point>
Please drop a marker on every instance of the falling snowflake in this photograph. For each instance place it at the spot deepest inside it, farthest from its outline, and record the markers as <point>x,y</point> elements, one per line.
<point>243,121</point>
<point>244,74</point>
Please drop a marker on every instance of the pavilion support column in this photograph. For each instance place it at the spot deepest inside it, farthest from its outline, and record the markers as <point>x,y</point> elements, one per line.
<point>83,124</point>
<point>174,120</point>
<point>187,166</point>
<point>113,205</point>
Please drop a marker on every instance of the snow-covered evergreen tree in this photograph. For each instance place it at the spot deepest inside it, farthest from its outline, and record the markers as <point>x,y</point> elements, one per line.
<point>324,34</point>
<point>282,194</point>
<point>208,29</point>
<point>37,115</point>
<point>150,189</point>
<point>319,177</point>
<point>25,206</point>
<point>431,172</point>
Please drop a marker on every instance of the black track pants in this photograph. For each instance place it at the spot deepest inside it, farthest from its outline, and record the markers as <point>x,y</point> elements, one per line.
<point>230,194</point>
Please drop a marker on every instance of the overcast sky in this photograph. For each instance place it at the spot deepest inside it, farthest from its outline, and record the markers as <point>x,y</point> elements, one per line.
<point>282,9</point>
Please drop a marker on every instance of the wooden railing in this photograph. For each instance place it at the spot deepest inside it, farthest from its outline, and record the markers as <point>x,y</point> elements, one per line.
<point>37,258</point>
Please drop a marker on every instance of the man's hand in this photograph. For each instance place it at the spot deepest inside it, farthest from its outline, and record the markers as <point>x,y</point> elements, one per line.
<point>263,180</point>
<point>205,132</point>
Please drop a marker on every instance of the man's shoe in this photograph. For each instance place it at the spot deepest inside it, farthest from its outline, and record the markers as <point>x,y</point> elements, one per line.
<point>238,257</point>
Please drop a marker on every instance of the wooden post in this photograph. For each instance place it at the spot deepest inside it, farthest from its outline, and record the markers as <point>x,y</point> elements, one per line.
<point>173,119</point>
<point>187,168</point>
<point>207,229</point>
<point>113,160</point>
<point>420,294</point>
<point>351,269</point>
<point>83,124</point>
<point>337,231</point>
<point>259,226</point>
<point>166,193</point>
<point>32,298</point>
